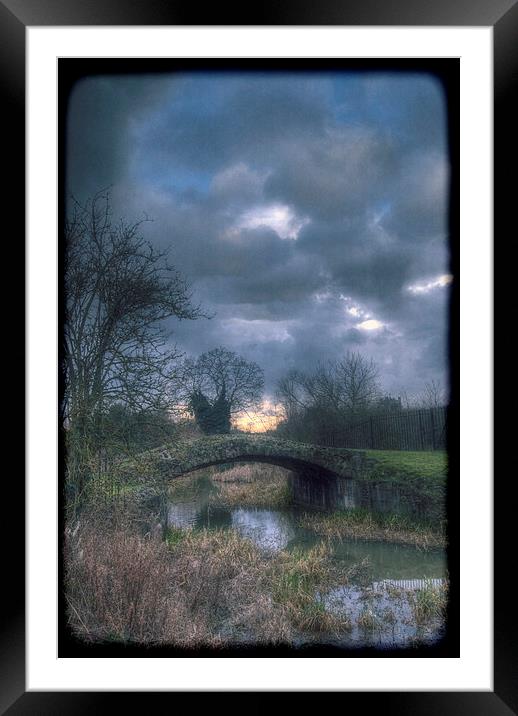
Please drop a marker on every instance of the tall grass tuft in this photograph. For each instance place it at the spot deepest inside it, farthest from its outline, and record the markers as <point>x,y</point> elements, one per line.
<point>367,525</point>
<point>298,579</point>
<point>253,486</point>
<point>429,603</point>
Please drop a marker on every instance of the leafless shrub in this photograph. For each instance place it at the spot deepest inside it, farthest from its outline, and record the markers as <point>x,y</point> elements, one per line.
<point>226,583</point>
<point>210,590</point>
<point>117,585</point>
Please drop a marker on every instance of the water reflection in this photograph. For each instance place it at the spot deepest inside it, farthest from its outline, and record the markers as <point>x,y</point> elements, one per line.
<point>392,561</point>
<point>381,617</point>
<point>183,514</point>
<point>279,528</point>
<point>269,529</point>
<point>379,594</point>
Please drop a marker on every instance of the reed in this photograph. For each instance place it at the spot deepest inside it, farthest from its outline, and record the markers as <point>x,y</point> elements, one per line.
<point>252,486</point>
<point>365,525</point>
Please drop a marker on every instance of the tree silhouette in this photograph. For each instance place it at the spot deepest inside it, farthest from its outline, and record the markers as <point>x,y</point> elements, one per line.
<point>118,292</point>
<point>222,384</point>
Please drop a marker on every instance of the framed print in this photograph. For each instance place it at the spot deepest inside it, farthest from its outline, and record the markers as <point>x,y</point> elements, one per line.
<point>221,139</point>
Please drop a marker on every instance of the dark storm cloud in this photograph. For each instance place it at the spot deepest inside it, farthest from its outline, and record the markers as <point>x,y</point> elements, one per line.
<point>222,119</point>
<point>419,198</point>
<point>360,258</point>
<point>330,176</point>
<point>304,209</point>
<point>101,112</point>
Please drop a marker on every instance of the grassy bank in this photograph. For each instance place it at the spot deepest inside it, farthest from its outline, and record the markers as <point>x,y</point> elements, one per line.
<point>425,472</point>
<point>365,525</point>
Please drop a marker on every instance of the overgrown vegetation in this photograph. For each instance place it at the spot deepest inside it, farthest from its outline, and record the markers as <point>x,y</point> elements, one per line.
<point>299,576</point>
<point>119,368</point>
<point>367,525</point>
<point>213,588</point>
<point>253,486</point>
<point>429,603</point>
<point>422,474</point>
<point>207,588</point>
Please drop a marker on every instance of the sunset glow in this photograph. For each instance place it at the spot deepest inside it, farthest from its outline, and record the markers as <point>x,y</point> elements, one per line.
<point>259,421</point>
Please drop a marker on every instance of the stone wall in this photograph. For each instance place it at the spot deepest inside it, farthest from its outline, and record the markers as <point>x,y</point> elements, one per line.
<point>343,494</point>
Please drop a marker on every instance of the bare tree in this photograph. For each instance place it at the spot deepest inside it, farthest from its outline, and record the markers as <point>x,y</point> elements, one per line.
<point>119,290</point>
<point>224,380</point>
<point>358,386</point>
<point>291,394</point>
<point>347,387</point>
<point>324,400</point>
<point>433,395</point>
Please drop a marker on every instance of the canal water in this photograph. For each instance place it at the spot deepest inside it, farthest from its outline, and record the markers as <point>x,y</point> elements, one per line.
<point>394,571</point>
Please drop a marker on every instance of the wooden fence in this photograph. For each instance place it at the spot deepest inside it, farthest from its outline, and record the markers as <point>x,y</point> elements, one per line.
<point>417,429</point>
<point>427,583</point>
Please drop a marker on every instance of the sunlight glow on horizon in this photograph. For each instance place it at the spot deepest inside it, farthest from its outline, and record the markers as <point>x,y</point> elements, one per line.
<point>259,421</point>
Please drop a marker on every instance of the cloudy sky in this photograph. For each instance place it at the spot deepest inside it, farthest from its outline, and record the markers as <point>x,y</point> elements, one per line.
<point>308,211</point>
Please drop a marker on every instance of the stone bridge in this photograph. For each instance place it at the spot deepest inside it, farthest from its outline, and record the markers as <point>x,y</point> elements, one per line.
<point>321,476</point>
<point>184,456</point>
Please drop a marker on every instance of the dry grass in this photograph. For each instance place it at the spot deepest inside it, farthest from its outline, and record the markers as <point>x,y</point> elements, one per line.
<point>237,473</point>
<point>297,579</point>
<point>117,587</point>
<point>207,588</point>
<point>225,579</point>
<point>368,620</point>
<point>429,604</point>
<point>212,589</point>
<point>252,486</point>
<point>364,525</point>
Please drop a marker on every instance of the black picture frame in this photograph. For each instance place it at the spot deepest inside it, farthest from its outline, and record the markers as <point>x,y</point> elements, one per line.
<point>502,15</point>
<point>445,72</point>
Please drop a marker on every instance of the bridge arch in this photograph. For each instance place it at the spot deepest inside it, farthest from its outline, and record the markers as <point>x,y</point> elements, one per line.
<point>286,462</point>
<point>186,456</point>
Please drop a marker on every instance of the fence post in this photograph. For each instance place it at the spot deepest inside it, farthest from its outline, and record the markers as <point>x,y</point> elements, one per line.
<point>433,427</point>
<point>421,429</point>
<point>372,434</point>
